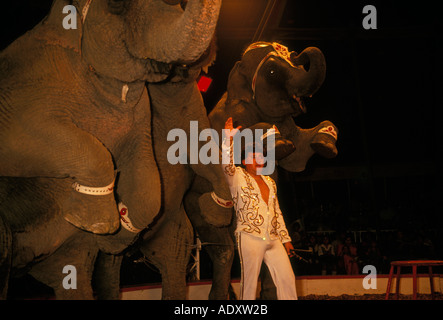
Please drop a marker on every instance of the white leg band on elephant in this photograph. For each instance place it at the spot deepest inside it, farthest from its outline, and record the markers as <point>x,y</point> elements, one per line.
<point>125,90</point>
<point>222,202</point>
<point>253,251</point>
<point>94,191</point>
<point>124,219</point>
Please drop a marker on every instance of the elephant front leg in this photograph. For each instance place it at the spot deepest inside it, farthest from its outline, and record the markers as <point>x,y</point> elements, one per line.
<point>215,209</point>
<point>59,149</point>
<point>216,204</point>
<point>320,139</point>
<point>139,185</point>
<point>325,137</point>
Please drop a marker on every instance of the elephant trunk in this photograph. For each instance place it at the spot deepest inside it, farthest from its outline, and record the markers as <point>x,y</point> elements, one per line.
<point>313,62</point>
<point>168,34</point>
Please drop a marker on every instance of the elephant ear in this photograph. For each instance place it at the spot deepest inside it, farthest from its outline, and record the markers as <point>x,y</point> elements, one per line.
<point>238,85</point>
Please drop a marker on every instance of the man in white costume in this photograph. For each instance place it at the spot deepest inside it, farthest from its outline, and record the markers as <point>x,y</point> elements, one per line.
<point>261,231</point>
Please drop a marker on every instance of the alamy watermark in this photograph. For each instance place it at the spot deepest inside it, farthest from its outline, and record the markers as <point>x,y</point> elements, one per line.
<point>370,281</point>
<point>70,281</point>
<point>186,149</point>
<point>370,20</point>
<point>70,20</point>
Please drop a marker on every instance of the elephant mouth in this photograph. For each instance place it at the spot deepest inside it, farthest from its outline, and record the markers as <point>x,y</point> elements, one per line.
<point>298,104</point>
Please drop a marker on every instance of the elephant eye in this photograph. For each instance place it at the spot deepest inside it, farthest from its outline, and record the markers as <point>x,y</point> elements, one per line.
<point>275,72</point>
<point>272,69</point>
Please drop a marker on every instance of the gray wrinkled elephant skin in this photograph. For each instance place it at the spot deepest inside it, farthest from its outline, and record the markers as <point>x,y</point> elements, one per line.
<point>75,134</point>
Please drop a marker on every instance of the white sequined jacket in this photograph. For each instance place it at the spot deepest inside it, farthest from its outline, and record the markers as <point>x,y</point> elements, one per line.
<point>254,216</point>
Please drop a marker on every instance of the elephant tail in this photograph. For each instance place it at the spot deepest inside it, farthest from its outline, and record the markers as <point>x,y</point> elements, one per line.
<point>5,257</point>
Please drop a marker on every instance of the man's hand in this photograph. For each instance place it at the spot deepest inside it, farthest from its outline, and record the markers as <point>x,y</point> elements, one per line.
<point>289,249</point>
<point>229,129</point>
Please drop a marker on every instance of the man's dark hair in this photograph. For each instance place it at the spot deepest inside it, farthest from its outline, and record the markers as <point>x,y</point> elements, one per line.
<point>257,147</point>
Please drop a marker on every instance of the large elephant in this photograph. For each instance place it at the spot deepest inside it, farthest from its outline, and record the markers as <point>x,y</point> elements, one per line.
<point>267,86</point>
<point>75,140</point>
<point>175,103</point>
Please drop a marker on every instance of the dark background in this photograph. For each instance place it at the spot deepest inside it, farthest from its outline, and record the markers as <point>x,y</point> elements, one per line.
<point>382,91</point>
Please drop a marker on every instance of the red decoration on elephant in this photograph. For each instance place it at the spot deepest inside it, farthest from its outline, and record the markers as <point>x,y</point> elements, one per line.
<point>204,83</point>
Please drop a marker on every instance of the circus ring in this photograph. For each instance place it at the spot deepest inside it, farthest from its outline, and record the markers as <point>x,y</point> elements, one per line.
<point>311,288</point>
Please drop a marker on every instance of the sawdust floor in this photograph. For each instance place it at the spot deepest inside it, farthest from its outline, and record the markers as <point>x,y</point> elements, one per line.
<point>438,296</point>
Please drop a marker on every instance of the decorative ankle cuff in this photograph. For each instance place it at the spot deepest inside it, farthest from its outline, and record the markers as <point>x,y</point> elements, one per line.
<point>94,190</point>
<point>222,202</point>
<point>124,219</point>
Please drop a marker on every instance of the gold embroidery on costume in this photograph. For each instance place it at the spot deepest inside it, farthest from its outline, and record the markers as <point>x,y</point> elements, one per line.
<point>275,224</point>
<point>283,235</point>
<point>250,209</point>
<point>230,169</point>
<point>249,215</point>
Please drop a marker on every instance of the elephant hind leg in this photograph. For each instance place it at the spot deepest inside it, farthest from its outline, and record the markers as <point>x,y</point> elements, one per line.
<point>69,270</point>
<point>107,276</point>
<point>170,251</point>
<point>5,257</point>
<point>222,257</point>
<point>221,249</point>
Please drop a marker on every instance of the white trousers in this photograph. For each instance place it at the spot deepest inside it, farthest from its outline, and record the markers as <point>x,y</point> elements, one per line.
<point>253,251</point>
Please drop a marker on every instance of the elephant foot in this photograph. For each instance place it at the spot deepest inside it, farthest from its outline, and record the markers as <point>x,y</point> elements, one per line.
<point>325,149</point>
<point>283,148</point>
<point>324,141</point>
<point>213,213</point>
<point>96,214</point>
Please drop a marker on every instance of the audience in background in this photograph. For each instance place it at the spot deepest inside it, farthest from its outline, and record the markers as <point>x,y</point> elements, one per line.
<point>346,256</point>
<point>348,252</point>
<point>326,256</point>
